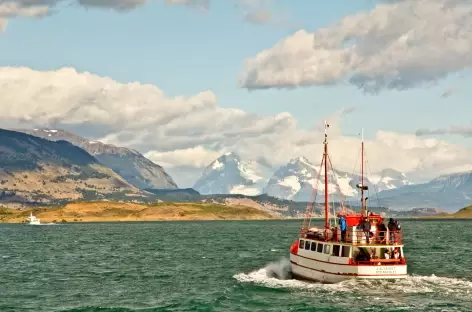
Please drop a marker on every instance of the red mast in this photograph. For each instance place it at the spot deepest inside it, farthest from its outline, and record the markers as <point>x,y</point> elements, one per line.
<point>326,176</point>
<point>362,176</point>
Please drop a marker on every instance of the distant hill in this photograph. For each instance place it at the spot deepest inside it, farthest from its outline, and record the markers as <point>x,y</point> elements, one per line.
<point>174,194</point>
<point>465,213</point>
<point>35,170</point>
<point>114,211</point>
<point>130,164</point>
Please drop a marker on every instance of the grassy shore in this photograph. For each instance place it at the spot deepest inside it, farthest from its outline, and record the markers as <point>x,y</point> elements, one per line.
<point>464,213</point>
<point>114,211</point>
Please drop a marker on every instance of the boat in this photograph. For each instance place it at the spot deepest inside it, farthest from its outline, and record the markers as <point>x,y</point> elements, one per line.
<point>33,220</point>
<point>359,246</point>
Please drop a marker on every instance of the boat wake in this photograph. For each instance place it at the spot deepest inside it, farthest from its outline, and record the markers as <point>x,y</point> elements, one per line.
<point>278,275</point>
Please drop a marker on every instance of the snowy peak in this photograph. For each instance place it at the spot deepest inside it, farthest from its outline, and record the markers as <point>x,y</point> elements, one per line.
<point>298,179</point>
<point>389,179</point>
<point>228,174</point>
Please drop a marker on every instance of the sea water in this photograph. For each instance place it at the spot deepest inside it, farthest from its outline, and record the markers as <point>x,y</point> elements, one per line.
<point>216,266</point>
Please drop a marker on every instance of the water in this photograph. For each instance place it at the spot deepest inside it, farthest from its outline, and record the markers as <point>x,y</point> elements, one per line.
<point>215,266</point>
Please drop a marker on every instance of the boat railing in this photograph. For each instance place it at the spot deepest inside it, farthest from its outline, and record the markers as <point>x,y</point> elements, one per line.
<point>357,237</point>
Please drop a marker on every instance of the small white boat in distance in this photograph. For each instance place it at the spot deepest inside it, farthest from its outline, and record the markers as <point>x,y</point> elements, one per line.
<point>33,220</point>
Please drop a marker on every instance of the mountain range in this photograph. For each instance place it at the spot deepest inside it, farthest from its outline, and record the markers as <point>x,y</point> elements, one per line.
<point>296,180</point>
<point>50,165</point>
<point>130,164</point>
<point>36,170</point>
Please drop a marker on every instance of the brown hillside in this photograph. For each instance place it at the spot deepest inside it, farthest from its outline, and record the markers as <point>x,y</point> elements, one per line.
<point>112,211</point>
<point>38,170</point>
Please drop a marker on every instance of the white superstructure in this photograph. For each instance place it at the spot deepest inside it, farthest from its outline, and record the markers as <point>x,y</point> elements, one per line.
<point>33,220</point>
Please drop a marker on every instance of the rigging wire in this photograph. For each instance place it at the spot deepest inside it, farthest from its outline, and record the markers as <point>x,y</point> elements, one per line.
<point>359,151</point>
<point>312,202</point>
<point>375,187</point>
<point>341,195</point>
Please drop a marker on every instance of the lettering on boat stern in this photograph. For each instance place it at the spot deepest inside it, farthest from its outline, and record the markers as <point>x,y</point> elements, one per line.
<point>385,270</point>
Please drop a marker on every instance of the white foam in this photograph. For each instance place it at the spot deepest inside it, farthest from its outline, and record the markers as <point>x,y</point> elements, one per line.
<point>277,275</point>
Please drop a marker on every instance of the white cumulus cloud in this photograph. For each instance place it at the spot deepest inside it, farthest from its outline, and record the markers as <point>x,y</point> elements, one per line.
<point>188,132</point>
<point>396,45</point>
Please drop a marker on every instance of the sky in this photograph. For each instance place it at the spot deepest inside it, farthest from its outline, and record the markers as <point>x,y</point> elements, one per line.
<point>184,81</point>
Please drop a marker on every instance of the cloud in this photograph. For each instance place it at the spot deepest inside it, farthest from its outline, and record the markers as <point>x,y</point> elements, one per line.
<point>449,92</point>
<point>197,156</point>
<point>204,4</point>
<point>115,4</point>
<point>175,132</point>
<point>396,45</point>
<point>465,131</point>
<point>21,8</point>
<point>254,11</point>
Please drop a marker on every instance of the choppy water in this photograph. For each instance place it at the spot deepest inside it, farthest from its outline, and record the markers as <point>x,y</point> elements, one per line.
<point>215,266</point>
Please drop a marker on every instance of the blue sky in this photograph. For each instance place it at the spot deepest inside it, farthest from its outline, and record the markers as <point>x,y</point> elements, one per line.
<point>184,51</point>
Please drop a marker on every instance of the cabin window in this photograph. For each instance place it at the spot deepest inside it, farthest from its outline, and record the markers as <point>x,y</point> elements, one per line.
<point>307,245</point>
<point>313,246</point>
<point>326,249</point>
<point>320,248</point>
<point>336,250</point>
<point>345,251</point>
<point>302,243</point>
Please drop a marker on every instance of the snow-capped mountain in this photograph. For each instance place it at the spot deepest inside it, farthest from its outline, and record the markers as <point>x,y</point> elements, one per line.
<point>449,192</point>
<point>388,179</point>
<point>294,181</point>
<point>297,180</point>
<point>230,175</point>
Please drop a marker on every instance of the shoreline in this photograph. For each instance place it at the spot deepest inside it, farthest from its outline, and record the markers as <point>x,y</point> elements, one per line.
<point>132,212</point>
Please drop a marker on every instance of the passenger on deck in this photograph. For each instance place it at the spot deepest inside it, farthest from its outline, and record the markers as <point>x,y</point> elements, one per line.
<point>396,254</point>
<point>386,254</point>
<point>366,228</point>
<point>343,228</point>
<point>393,227</point>
<point>382,231</point>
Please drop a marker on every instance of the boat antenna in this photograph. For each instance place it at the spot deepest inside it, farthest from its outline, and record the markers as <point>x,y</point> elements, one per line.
<point>326,173</point>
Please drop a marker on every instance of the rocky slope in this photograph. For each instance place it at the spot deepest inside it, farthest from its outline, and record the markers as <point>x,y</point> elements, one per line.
<point>130,164</point>
<point>38,170</point>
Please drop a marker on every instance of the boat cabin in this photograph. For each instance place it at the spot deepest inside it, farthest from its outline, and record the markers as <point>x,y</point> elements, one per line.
<point>358,246</point>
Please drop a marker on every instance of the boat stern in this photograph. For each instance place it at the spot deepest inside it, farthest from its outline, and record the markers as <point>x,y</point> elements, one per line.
<point>382,271</point>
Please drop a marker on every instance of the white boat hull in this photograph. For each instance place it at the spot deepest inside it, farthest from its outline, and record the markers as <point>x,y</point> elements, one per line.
<point>324,272</point>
